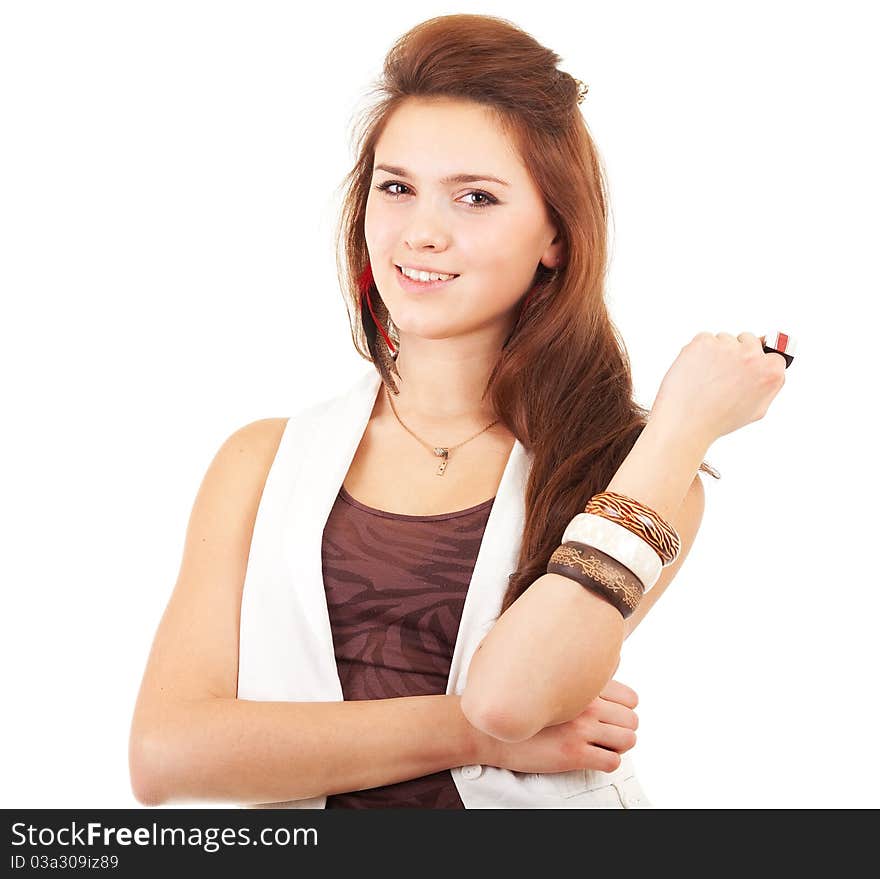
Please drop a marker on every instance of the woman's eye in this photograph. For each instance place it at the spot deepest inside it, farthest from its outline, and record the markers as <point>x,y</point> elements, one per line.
<point>385,187</point>
<point>489,199</point>
<point>481,195</point>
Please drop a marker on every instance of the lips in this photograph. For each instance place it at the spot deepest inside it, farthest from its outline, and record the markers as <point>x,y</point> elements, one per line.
<point>430,271</point>
<point>412,286</point>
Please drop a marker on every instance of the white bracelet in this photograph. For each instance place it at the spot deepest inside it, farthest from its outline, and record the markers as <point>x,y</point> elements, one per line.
<point>622,545</point>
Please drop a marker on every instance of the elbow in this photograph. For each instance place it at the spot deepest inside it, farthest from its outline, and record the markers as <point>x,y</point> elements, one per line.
<point>143,764</point>
<point>501,722</point>
<point>517,721</point>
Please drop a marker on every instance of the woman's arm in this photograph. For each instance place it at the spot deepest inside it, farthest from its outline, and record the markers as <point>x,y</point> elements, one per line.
<point>247,752</point>
<point>549,655</point>
<point>192,739</point>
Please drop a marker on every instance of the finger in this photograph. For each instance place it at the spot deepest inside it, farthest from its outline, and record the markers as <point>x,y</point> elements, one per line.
<point>602,759</point>
<point>758,342</point>
<point>614,712</point>
<point>778,358</point>
<point>615,691</point>
<point>617,738</point>
<point>781,344</point>
<point>726,337</point>
<point>750,339</point>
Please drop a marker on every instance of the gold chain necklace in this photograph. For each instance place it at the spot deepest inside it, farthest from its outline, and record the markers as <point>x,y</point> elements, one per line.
<point>439,451</point>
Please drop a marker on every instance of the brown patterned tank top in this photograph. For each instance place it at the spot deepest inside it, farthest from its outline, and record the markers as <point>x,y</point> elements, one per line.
<point>396,586</point>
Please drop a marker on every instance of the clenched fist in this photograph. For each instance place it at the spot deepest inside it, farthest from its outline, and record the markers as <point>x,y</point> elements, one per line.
<point>719,383</point>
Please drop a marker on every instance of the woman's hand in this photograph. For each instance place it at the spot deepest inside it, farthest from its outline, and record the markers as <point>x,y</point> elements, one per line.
<point>719,383</point>
<point>594,739</point>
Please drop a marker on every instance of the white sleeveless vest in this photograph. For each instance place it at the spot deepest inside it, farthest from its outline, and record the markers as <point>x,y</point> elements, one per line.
<point>286,650</point>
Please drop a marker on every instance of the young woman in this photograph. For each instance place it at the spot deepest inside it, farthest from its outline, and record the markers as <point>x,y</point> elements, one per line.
<point>364,615</point>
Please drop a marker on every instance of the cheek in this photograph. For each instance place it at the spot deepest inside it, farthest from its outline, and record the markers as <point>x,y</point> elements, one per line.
<point>491,292</point>
<point>502,269</point>
<point>379,218</point>
<point>375,226</point>
<point>498,249</point>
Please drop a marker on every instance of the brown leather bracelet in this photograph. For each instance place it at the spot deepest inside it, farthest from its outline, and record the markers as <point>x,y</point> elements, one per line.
<point>599,573</point>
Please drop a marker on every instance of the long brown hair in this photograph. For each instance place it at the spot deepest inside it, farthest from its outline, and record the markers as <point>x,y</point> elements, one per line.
<point>562,383</point>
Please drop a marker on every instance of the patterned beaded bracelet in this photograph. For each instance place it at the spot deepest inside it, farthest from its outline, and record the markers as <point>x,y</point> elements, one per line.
<point>617,548</point>
<point>641,520</point>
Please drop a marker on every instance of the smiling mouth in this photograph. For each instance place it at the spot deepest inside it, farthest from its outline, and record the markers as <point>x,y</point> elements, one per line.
<point>400,272</point>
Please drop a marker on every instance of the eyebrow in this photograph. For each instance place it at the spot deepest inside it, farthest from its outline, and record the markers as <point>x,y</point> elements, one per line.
<point>452,178</point>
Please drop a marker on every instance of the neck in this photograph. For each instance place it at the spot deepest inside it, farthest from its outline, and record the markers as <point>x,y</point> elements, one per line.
<point>441,384</point>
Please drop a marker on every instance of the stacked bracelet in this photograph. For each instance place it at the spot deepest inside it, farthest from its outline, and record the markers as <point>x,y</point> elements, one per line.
<point>617,548</point>
<point>598,572</point>
<point>613,539</point>
<point>640,520</point>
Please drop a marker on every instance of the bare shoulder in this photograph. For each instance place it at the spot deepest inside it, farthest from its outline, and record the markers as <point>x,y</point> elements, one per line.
<point>237,472</point>
<point>239,468</point>
<point>258,439</point>
<point>233,484</point>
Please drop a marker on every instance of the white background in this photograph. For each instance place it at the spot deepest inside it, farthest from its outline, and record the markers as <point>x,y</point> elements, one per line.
<point>168,187</point>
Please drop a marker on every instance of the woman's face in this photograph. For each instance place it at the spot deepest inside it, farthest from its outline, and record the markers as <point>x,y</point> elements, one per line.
<point>492,234</point>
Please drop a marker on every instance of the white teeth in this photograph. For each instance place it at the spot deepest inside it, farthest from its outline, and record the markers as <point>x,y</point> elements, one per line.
<point>424,276</point>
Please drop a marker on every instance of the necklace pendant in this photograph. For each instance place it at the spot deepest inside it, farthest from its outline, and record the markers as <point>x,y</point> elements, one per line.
<point>440,452</point>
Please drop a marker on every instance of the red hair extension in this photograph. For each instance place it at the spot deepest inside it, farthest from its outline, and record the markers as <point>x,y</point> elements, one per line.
<point>364,282</point>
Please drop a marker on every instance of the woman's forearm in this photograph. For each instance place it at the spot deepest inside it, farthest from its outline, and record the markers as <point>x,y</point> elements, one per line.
<point>248,752</point>
<point>661,466</point>
<point>551,653</point>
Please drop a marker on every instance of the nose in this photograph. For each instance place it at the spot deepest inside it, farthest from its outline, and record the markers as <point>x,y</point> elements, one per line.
<point>427,228</point>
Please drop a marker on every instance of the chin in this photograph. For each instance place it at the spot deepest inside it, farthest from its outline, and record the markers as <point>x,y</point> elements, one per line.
<point>429,334</point>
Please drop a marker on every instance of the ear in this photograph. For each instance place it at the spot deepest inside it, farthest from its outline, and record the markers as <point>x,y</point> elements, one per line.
<point>554,255</point>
